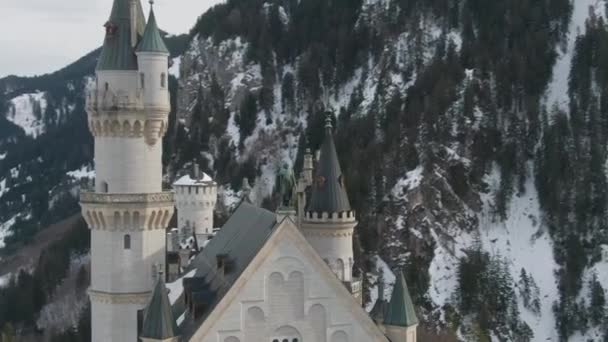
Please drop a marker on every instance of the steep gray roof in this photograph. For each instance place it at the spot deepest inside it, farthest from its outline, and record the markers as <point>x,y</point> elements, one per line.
<point>152,40</point>
<point>117,52</point>
<point>400,310</point>
<point>159,322</point>
<point>329,189</point>
<point>239,240</point>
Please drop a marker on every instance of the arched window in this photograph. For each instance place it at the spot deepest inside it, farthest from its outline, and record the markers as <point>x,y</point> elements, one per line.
<point>142,80</point>
<point>163,80</point>
<point>127,241</point>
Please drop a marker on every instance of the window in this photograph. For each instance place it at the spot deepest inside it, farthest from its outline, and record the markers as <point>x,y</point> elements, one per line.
<point>142,80</point>
<point>127,241</point>
<point>105,188</point>
<point>163,80</point>
<point>107,86</point>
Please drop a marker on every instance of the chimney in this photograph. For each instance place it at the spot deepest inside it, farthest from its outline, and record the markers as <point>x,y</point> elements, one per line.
<point>196,172</point>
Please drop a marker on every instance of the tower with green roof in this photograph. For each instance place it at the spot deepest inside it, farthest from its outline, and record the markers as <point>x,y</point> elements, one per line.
<point>127,211</point>
<point>399,319</point>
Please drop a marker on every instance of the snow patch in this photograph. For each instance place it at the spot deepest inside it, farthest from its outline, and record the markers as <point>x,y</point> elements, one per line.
<point>524,242</point>
<point>389,282</point>
<point>174,69</point>
<point>26,111</point>
<point>84,172</point>
<point>5,230</point>
<point>411,181</point>
<point>557,92</point>
<point>176,288</point>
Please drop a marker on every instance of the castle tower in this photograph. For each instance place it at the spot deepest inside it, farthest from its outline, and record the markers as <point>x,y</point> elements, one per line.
<point>400,321</point>
<point>329,222</point>
<point>195,198</point>
<point>127,211</point>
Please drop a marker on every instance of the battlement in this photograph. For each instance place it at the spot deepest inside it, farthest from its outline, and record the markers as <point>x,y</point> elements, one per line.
<point>345,216</point>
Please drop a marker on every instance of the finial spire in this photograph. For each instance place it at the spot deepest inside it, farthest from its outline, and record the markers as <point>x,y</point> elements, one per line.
<point>151,3</point>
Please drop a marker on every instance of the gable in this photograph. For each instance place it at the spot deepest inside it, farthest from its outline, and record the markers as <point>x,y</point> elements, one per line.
<point>287,292</point>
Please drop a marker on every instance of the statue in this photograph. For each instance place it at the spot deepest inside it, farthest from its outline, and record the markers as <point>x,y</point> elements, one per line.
<point>287,184</point>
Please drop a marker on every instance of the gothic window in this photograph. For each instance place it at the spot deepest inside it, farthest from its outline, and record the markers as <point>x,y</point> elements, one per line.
<point>163,80</point>
<point>142,80</point>
<point>127,241</point>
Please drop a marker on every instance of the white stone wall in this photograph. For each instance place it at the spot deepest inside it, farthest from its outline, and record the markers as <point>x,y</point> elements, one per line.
<point>154,66</point>
<point>333,241</point>
<point>287,298</point>
<point>119,270</point>
<point>114,322</point>
<point>195,205</point>
<point>127,165</point>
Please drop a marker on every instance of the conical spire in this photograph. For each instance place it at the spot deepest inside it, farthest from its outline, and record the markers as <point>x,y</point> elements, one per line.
<point>329,189</point>
<point>400,310</point>
<point>152,40</point>
<point>159,323</point>
<point>117,52</point>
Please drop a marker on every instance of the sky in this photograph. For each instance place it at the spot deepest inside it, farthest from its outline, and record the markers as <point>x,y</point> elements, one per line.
<point>41,36</point>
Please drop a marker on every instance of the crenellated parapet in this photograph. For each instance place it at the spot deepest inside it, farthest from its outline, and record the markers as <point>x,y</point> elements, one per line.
<point>324,217</point>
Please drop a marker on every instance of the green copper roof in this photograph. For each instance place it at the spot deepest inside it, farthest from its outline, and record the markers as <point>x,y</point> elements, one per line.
<point>117,52</point>
<point>329,189</point>
<point>400,310</point>
<point>159,322</point>
<point>152,41</point>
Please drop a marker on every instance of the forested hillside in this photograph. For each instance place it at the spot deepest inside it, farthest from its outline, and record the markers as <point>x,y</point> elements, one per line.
<point>472,134</point>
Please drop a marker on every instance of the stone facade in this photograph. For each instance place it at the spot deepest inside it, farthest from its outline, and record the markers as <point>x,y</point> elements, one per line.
<point>288,293</point>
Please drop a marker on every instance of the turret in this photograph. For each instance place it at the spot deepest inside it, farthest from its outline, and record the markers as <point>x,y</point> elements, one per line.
<point>400,321</point>
<point>329,221</point>
<point>152,59</point>
<point>159,323</point>
<point>308,167</point>
<point>195,197</point>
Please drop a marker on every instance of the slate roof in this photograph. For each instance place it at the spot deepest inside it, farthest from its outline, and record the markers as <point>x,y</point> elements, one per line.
<point>240,240</point>
<point>117,52</point>
<point>329,189</point>
<point>159,322</point>
<point>400,310</point>
<point>152,40</point>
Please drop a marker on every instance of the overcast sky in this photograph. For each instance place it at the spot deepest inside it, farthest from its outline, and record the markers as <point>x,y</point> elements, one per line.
<point>41,36</point>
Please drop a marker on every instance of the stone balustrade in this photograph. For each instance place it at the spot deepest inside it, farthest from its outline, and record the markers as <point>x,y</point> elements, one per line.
<point>112,198</point>
<point>109,100</point>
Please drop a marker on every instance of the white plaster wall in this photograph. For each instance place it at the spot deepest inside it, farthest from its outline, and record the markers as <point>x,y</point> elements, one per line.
<point>119,270</point>
<point>114,322</point>
<point>402,334</point>
<point>334,248</point>
<point>195,205</point>
<point>318,296</point>
<point>153,65</point>
<point>118,81</point>
<point>128,165</point>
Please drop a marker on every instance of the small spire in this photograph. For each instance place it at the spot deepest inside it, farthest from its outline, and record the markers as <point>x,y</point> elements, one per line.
<point>151,3</point>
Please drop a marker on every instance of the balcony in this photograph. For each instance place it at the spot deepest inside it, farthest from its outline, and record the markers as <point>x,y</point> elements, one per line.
<point>109,100</point>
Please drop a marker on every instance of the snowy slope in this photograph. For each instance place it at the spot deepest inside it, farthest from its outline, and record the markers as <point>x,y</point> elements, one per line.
<point>26,111</point>
<point>525,243</point>
<point>557,92</point>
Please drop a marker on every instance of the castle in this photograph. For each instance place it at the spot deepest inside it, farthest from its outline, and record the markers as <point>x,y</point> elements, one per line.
<point>264,276</point>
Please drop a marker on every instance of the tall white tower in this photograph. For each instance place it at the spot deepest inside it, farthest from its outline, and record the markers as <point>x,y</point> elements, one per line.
<point>195,198</point>
<point>328,223</point>
<point>128,211</point>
